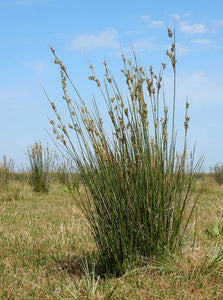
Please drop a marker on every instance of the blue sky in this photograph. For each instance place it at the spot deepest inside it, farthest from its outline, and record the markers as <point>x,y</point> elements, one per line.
<point>82,30</point>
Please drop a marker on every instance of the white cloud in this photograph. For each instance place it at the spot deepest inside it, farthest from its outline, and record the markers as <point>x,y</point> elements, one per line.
<point>180,49</point>
<point>177,17</point>
<point>202,42</point>
<point>218,23</point>
<point>38,67</point>
<point>152,23</point>
<point>134,32</point>
<point>199,87</point>
<point>192,28</point>
<point>13,100</point>
<point>145,46</point>
<point>106,39</point>
<point>157,23</point>
<point>144,18</point>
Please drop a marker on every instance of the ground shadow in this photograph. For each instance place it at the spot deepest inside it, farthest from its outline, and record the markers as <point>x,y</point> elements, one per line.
<point>80,265</point>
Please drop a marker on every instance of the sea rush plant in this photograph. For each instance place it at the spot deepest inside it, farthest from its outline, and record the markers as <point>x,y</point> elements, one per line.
<point>137,186</point>
<point>41,165</point>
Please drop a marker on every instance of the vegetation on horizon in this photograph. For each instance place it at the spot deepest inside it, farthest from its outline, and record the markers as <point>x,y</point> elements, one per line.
<point>217,173</point>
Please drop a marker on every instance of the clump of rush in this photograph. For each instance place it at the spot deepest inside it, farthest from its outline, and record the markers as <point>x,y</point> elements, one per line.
<point>41,166</point>
<point>137,187</point>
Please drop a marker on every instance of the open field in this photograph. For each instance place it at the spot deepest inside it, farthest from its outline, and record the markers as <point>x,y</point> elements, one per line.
<point>45,247</point>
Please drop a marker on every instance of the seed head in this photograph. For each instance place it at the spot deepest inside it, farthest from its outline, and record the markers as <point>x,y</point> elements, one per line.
<point>91,67</point>
<point>52,50</point>
<point>170,33</point>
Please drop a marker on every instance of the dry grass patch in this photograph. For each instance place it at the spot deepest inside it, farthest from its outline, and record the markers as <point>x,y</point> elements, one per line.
<point>47,253</point>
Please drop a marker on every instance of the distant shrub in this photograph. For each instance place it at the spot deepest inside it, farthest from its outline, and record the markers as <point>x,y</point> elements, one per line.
<point>137,185</point>
<point>67,175</point>
<point>6,171</point>
<point>217,173</point>
<point>41,167</point>
<point>21,176</point>
<point>65,171</point>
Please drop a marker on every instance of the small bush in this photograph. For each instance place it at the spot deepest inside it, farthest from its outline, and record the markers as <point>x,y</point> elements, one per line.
<point>137,185</point>
<point>217,172</point>
<point>41,167</point>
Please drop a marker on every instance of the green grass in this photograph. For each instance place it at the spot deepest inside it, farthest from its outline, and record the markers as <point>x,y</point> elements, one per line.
<point>47,252</point>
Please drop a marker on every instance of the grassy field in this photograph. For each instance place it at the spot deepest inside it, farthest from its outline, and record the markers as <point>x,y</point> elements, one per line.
<point>46,251</point>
